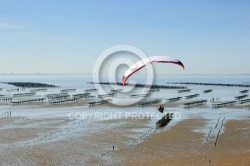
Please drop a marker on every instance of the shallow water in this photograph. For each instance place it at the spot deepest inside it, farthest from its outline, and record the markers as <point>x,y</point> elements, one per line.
<point>85,115</point>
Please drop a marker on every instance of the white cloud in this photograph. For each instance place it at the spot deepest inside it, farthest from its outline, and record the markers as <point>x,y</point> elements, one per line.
<point>4,25</point>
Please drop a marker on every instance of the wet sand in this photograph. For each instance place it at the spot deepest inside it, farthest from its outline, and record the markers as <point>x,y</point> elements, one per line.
<point>182,146</point>
<point>57,141</point>
<point>44,135</point>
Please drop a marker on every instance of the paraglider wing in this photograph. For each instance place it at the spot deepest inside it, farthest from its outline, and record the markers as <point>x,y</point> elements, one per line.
<point>142,63</point>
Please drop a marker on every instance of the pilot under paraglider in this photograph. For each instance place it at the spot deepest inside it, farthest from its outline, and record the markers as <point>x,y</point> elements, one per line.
<point>161,108</point>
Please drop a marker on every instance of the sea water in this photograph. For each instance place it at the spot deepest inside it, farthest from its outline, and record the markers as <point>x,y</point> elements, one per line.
<point>81,82</point>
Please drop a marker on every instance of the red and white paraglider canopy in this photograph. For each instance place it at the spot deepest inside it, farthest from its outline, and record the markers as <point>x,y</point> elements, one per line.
<point>142,63</point>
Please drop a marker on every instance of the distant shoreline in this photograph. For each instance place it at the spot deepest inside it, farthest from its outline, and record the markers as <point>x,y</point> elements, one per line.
<point>121,73</point>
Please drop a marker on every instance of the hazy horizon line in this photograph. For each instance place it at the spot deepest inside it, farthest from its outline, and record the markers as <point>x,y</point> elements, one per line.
<point>103,73</point>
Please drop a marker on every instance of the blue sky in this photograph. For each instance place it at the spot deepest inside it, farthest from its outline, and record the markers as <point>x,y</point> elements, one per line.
<point>59,36</point>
